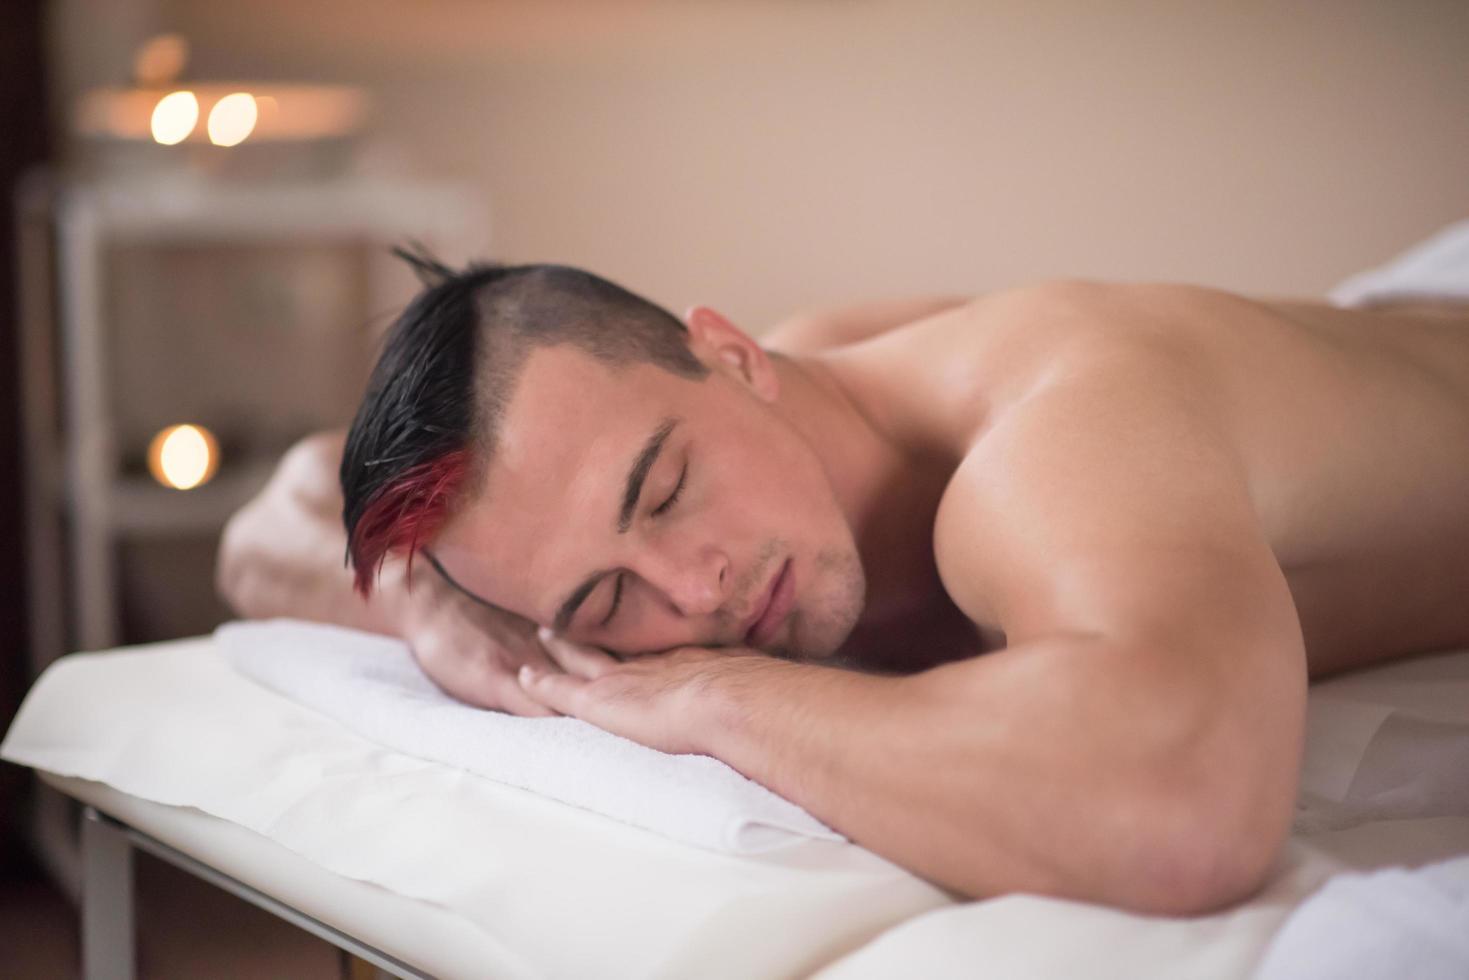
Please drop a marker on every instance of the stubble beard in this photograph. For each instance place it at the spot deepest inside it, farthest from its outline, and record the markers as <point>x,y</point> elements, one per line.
<point>827,613</point>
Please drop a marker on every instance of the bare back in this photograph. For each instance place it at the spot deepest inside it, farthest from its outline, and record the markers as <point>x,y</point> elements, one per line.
<point>1351,428</point>
<point>1355,429</point>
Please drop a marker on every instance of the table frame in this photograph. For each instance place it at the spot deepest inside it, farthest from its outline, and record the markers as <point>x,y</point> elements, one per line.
<point>108,919</point>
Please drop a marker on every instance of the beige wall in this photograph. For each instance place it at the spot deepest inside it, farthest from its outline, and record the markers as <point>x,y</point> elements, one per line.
<point>763,155</point>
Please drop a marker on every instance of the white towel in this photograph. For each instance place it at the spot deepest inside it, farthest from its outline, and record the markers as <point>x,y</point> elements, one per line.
<point>373,686</point>
<point>1434,270</point>
<point>1380,926</point>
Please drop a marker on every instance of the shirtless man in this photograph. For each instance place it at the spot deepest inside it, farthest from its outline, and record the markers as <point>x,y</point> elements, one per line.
<point>1155,510</point>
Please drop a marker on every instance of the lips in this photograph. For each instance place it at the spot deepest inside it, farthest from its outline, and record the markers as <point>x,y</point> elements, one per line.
<point>774,605</point>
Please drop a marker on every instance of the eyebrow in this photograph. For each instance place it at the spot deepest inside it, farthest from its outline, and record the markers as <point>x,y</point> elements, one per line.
<point>637,475</point>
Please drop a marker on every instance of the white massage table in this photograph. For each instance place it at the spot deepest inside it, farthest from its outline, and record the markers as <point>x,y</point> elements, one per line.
<point>425,870</point>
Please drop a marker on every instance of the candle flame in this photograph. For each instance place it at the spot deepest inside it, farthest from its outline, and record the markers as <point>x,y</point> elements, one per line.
<point>183,456</point>
<point>232,119</point>
<point>174,117</point>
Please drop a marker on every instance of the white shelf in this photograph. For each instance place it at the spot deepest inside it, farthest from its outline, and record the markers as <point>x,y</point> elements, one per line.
<point>197,209</point>
<point>184,209</point>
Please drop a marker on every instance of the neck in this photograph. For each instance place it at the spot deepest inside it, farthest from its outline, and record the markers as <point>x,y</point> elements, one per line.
<point>887,491</point>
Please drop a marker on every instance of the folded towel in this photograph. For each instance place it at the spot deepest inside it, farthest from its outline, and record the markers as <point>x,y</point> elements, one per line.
<point>373,686</point>
<point>1434,270</point>
<point>1380,926</point>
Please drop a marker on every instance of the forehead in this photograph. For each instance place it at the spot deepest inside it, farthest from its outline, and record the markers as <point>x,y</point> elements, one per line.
<point>571,413</point>
<point>555,480</point>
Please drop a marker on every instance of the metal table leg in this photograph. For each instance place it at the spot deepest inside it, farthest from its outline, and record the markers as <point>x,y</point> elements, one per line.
<point>107,900</point>
<point>107,904</point>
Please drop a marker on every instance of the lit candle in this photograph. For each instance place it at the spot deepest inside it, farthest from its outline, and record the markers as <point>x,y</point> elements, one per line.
<point>174,117</point>
<point>183,456</point>
<point>232,119</point>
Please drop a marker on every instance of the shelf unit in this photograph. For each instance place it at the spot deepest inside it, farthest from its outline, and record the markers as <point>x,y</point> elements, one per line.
<point>81,501</point>
<point>82,504</point>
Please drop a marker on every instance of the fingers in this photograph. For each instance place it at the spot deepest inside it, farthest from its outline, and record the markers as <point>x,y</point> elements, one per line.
<point>493,683</point>
<point>531,652</point>
<point>503,687</point>
<point>479,665</point>
<point>497,690</point>
<point>575,658</point>
<point>556,691</point>
<point>512,697</point>
<point>483,677</point>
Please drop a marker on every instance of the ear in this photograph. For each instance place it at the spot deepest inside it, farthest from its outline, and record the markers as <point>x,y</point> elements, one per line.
<point>718,342</point>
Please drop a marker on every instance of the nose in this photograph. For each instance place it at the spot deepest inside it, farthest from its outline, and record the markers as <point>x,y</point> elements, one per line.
<point>696,583</point>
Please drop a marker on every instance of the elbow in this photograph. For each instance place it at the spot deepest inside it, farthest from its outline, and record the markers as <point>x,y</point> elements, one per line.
<point>1201,858</point>
<point>242,569</point>
<point>1218,801</point>
<point>300,496</point>
<point>1212,876</point>
<point>231,569</point>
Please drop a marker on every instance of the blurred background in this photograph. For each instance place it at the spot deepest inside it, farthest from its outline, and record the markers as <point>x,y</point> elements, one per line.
<point>197,198</point>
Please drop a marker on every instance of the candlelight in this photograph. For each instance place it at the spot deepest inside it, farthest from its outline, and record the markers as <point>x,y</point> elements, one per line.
<point>183,456</point>
<point>232,119</point>
<point>174,117</point>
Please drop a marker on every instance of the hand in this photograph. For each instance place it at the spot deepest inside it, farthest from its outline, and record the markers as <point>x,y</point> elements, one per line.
<point>672,701</point>
<point>470,650</point>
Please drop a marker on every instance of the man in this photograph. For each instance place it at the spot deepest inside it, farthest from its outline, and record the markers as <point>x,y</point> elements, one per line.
<point>1021,593</point>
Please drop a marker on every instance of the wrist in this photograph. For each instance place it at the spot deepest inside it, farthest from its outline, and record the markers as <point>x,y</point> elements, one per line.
<point>735,701</point>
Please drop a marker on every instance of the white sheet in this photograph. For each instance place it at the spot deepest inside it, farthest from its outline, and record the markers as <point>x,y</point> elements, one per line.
<point>1379,926</point>
<point>567,893</point>
<point>373,686</point>
<point>1360,729</point>
<point>431,939</point>
<point>564,892</point>
<point>1435,270</point>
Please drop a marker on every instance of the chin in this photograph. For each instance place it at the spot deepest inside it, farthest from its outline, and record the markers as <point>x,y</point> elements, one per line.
<point>818,631</point>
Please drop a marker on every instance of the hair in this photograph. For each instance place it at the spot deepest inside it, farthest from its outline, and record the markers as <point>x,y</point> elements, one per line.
<point>428,422</point>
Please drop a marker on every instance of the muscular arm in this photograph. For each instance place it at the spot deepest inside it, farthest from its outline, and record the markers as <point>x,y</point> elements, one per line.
<point>1137,743</point>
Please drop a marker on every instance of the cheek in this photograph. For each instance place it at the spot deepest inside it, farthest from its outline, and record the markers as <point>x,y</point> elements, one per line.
<point>792,490</point>
<point>786,504</point>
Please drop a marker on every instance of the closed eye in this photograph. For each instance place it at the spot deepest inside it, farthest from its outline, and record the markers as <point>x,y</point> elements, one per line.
<point>664,507</point>
<point>616,598</point>
<point>658,511</point>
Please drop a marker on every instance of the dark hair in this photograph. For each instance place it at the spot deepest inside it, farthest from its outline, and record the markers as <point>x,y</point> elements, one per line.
<point>428,422</point>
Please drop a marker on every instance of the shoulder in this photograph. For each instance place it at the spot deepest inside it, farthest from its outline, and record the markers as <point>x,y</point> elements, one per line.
<point>980,362</point>
<point>1093,316</point>
<point>1109,467</point>
<point>948,380</point>
<point>1022,331</point>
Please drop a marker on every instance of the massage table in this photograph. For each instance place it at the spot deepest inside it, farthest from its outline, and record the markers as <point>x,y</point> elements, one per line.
<point>424,869</point>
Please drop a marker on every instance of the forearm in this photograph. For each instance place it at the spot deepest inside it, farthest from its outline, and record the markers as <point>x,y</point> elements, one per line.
<point>1012,772</point>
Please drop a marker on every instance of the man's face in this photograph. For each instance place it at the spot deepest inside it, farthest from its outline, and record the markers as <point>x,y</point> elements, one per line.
<point>638,511</point>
